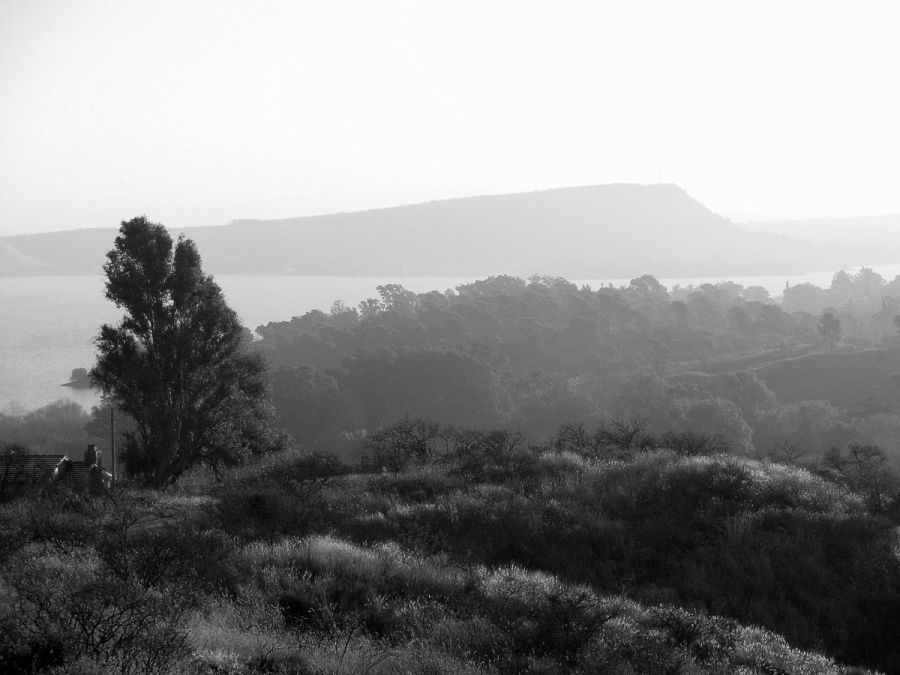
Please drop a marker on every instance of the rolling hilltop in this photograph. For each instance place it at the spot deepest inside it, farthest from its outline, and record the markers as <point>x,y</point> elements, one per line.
<point>606,230</point>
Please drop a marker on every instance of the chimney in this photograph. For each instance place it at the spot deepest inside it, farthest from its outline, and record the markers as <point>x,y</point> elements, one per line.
<point>92,455</point>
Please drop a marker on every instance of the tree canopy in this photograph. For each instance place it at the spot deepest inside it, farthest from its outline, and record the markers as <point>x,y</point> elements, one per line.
<point>176,363</point>
<point>830,328</point>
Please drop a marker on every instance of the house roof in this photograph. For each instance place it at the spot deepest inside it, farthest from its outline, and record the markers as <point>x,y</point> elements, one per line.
<point>37,470</point>
<point>27,469</point>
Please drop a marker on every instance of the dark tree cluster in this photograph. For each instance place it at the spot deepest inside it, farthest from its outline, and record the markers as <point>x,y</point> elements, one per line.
<point>675,521</point>
<point>534,355</point>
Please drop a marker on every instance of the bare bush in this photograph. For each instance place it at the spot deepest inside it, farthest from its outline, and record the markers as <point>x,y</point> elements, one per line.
<point>395,447</point>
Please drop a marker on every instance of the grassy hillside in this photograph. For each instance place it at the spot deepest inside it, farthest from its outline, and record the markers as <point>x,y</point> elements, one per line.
<point>483,556</point>
<point>872,238</point>
<point>856,381</point>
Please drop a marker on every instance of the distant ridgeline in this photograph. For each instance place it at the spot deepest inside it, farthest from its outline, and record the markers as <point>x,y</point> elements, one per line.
<point>609,231</point>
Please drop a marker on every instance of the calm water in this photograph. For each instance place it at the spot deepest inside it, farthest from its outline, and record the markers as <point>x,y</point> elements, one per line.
<point>47,324</point>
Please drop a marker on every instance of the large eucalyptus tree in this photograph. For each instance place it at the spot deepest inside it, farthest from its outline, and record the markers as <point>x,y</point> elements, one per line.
<point>178,362</point>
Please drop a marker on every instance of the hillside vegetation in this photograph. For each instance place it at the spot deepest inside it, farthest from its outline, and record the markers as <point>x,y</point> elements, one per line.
<point>861,382</point>
<point>534,355</point>
<point>511,476</point>
<point>460,552</point>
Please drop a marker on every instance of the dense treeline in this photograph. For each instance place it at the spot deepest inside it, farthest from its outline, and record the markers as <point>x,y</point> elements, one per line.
<point>865,301</point>
<point>48,429</point>
<point>533,355</point>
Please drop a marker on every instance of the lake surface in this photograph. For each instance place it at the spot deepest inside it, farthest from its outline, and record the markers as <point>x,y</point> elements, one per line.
<point>47,324</point>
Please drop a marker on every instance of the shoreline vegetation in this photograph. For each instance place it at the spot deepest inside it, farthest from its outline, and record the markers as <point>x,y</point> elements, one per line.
<point>257,300</point>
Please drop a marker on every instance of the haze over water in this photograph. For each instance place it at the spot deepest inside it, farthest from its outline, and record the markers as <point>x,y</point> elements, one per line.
<point>50,322</point>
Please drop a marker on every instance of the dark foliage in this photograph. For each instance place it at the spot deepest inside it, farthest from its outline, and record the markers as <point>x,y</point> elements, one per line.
<point>535,354</point>
<point>90,588</point>
<point>606,440</point>
<point>639,536</point>
<point>175,364</point>
<point>690,527</point>
<point>397,446</point>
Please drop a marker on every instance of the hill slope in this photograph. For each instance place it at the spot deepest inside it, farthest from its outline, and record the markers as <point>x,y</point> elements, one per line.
<point>606,230</point>
<point>14,262</point>
<point>872,240</point>
<point>535,560</point>
<point>857,381</point>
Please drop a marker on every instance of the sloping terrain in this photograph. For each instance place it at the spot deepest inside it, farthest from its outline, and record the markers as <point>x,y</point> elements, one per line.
<point>13,262</point>
<point>618,230</point>
<point>873,240</point>
<point>861,382</point>
<point>529,560</point>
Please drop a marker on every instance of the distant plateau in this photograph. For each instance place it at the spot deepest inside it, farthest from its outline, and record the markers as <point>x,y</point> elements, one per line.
<point>619,230</point>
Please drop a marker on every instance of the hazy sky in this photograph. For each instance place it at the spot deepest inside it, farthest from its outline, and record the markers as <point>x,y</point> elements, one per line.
<point>197,112</point>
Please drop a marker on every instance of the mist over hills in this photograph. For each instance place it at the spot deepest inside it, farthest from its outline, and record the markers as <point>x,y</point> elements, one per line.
<point>13,260</point>
<point>875,239</point>
<point>617,230</point>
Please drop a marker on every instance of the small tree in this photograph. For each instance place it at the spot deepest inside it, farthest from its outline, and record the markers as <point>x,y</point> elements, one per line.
<point>830,329</point>
<point>866,470</point>
<point>176,364</point>
<point>396,447</point>
<point>789,452</point>
<point>11,471</point>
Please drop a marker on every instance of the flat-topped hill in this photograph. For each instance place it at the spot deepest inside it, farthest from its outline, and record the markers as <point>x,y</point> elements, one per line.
<point>619,230</point>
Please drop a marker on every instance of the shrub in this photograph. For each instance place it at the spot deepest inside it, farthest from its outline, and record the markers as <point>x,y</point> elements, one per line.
<point>865,469</point>
<point>396,447</point>
<point>269,498</point>
<point>69,609</point>
<point>182,559</point>
<point>491,456</point>
<point>628,434</point>
<point>705,638</point>
<point>609,439</point>
<point>419,485</point>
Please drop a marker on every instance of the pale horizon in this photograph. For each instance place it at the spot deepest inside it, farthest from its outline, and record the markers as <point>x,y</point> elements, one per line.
<point>204,112</point>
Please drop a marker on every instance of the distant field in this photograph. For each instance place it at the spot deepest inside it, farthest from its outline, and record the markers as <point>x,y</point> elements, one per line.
<point>752,361</point>
<point>857,382</point>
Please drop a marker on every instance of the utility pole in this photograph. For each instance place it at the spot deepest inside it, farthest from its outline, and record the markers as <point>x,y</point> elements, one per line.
<point>112,443</point>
